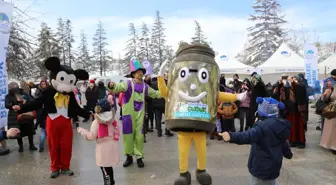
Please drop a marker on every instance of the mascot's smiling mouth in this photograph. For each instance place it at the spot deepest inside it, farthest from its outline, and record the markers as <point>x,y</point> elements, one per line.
<point>185,96</point>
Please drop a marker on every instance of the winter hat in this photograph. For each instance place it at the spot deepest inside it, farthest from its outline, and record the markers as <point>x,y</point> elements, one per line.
<point>13,85</point>
<point>269,107</point>
<point>31,84</point>
<point>135,65</point>
<point>92,81</point>
<point>102,106</point>
<point>333,72</point>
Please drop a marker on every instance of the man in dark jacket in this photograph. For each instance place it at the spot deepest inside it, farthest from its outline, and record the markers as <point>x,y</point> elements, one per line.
<point>268,138</point>
<point>91,95</point>
<point>149,118</point>
<point>159,109</point>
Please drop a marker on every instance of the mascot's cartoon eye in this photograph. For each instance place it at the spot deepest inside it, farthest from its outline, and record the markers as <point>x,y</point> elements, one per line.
<point>184,73</point>
<point>71,81</point>
<point>203,75</point>
<point>62,78</point>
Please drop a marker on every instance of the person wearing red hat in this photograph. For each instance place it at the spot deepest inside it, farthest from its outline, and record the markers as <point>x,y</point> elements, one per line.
<point>91,95</point>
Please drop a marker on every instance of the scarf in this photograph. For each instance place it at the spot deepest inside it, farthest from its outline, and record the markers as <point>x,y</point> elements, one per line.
<point>104,119</point>
<point>292,93</point>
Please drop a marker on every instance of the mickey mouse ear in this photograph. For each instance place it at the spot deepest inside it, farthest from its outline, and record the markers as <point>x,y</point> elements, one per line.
<point>259,100</point>
<point>281,106</point>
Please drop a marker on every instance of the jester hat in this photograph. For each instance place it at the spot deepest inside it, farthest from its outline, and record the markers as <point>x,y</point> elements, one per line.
<point>135,66</point>
<point>269,107</point>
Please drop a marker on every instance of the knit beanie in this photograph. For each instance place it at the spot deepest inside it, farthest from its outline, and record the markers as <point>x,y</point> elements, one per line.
<point>333,72</point>
<point>269,107</point>
<point>92,81</point>
<point>102,106</point>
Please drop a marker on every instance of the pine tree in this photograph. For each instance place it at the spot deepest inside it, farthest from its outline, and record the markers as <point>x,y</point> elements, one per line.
<point>47,47</point>
<point>84,60</point>
<point>266,35</point>
<point>199,35</point>
<point>158,40</point>
<point>68,41</point>
<point>131,49</point>
<point>100,53</point>
<point>144,51</point>
<point>60,37</point>
<point>19,52</point>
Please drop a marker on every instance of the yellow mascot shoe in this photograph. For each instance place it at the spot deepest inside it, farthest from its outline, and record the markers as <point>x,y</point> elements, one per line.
<point>183,179</point>
<point>203,177</point>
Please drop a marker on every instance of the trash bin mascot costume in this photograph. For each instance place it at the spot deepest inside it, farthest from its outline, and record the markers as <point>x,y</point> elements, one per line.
<point>192,94</point>
<point>60,104</point>
<point>133,111</point>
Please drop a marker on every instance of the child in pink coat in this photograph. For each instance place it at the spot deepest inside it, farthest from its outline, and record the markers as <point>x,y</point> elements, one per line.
<point>104,130</point>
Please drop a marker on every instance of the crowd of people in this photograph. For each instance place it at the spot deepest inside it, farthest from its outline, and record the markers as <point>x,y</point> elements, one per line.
<point>101,99</point>
<point>293,92</point>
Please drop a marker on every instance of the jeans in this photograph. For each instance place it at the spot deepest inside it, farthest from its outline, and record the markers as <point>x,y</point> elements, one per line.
<point>158,119</point>
<point>242,116</point>
<point>257,181</point>
<point>42,137</point>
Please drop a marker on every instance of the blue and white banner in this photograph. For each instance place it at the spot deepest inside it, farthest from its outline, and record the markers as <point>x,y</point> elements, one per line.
<point>311,63</point>
<point>6,10</point>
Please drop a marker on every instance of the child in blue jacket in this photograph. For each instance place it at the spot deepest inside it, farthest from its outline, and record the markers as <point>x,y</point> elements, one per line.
<point>268,138</point>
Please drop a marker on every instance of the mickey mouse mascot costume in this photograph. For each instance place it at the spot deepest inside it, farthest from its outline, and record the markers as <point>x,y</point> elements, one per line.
<point>60,103</point>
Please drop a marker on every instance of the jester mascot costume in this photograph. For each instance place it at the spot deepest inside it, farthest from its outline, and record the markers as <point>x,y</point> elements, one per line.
<point>192,94</point>
<point>133,111</point>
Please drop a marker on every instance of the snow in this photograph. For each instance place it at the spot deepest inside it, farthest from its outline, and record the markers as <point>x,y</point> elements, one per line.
<point>282,63</point>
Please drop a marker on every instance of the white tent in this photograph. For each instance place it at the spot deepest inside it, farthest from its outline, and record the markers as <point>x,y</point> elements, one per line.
<point>229,65</point>
<point>327,65</point>
<point>284,60</point>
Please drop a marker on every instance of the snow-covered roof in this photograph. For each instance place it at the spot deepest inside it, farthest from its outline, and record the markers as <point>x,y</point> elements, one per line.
<point>284,60</point>
<point>327,65</point>
<point>229,65</point>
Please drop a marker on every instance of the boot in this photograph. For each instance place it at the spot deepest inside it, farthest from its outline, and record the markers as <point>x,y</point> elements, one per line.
<point>128,162</point>
<point>168,133</point>
<point>108,180</point>
<point>212,136</point>
<point>32,148</point>
<point>301,145</point>
<point>54,174</point>
<point>67,172</point>
<point>183,179</point>
<point>140,163</point>
<point>31,143</point>
<point>41,150</point>
<point>4,151</point>
<point>159,133</point>
<point>203,177</point>
<point>292,144</point>
<point>20,148</point>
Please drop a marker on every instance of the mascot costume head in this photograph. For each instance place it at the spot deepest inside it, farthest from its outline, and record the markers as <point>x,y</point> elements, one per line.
<point>63,78</point>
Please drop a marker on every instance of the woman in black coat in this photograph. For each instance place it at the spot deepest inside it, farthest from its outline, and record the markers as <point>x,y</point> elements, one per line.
<point>16,96</point>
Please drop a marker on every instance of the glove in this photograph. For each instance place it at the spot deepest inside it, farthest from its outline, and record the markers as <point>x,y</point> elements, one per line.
<point>163,67</point>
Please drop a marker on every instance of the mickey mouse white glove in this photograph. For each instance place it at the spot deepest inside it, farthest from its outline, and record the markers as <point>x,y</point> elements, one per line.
<point>163,68</point>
